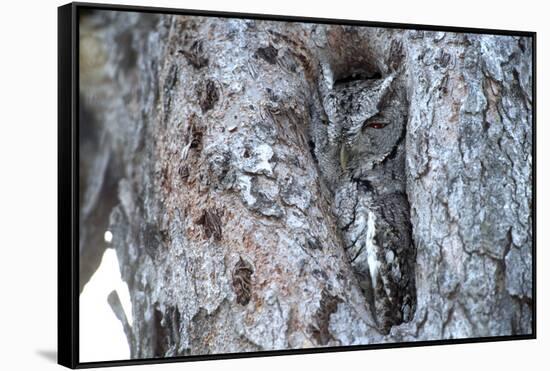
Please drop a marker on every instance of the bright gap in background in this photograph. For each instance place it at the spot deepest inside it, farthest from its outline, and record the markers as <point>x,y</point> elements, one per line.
<point>101,335</point>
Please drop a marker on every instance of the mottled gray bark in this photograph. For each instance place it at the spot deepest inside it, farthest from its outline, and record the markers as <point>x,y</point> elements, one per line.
<point>204,165</point>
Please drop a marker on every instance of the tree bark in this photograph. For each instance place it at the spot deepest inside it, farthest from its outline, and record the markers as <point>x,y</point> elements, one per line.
<point>202,164</point>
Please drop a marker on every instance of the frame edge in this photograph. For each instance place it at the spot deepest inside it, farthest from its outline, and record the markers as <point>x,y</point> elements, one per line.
<point>67,344</point>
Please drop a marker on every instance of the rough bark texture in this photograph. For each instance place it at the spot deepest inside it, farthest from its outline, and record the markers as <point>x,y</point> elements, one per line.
<point>198,140</point>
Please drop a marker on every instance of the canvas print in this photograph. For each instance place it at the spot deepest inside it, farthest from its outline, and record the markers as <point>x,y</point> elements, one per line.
<point>250,185</point>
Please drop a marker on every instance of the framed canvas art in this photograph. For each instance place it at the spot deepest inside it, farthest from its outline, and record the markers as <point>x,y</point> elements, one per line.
<point>237,185</point>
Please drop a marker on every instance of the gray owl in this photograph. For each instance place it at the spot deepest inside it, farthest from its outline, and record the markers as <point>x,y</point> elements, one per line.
<point>359,144</point>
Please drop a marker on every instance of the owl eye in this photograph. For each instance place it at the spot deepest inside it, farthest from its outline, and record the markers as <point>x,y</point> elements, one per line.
<point>375,124</point>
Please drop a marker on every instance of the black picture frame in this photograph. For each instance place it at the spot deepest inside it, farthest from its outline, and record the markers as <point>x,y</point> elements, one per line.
<point>68,183</point>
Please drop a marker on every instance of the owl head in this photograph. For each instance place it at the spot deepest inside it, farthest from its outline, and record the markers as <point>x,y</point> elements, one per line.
<point>367,119</point>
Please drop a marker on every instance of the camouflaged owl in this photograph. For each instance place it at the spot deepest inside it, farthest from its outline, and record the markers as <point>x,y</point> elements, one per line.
<point>359,144</point>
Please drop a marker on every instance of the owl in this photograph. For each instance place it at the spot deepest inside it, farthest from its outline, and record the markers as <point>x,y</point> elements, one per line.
<point>359,145</point>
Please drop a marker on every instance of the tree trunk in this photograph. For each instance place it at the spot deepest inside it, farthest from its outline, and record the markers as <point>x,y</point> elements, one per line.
<point>204,157</point>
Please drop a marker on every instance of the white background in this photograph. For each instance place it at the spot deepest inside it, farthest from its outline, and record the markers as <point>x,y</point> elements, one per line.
<point>28,184</point>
